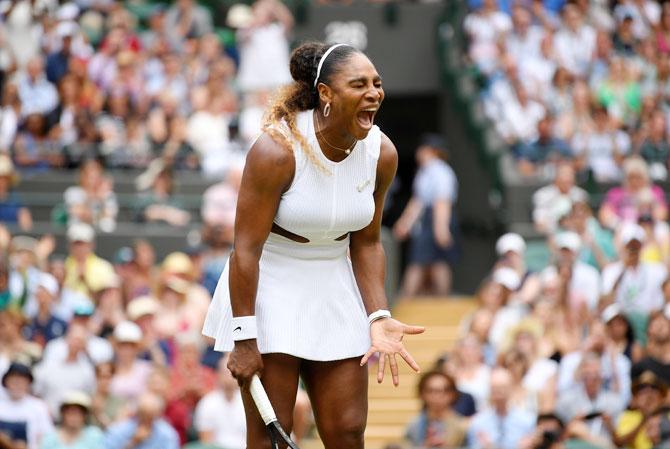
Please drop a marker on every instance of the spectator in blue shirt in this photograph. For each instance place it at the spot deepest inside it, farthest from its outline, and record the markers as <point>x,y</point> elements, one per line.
<point>37,94</point>
<point>429,220</point>
<point>146,430</point>
<point>44,327</point>
<point>500,426</point>
<point>58,62</point>
<point>546,149</point>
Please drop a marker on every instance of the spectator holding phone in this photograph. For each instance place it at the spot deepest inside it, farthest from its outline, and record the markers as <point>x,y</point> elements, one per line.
<point>588,407</point>
<point>632,428</point>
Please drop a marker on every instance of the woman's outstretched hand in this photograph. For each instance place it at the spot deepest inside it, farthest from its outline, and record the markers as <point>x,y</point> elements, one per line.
<point>386,335</point>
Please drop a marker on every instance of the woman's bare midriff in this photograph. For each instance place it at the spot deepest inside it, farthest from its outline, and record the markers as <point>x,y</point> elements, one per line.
<point>276,229</point>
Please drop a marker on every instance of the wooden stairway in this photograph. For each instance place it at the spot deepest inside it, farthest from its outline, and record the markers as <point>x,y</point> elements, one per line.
<point>391,408</point>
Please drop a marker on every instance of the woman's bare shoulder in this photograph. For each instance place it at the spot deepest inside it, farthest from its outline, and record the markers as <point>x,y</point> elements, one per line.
<point>270,162</point>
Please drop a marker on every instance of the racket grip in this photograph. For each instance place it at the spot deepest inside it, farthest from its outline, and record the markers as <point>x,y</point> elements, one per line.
<point>262,401</point>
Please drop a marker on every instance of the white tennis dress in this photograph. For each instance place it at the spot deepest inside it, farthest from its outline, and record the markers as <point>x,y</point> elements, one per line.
<point>307,303</point>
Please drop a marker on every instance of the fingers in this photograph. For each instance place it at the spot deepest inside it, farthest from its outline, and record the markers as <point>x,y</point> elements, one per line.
<point>381,367</point>
<point>410,360</point>
<point>394,369</point>
<point>413,330</point>
<point>367,355</point>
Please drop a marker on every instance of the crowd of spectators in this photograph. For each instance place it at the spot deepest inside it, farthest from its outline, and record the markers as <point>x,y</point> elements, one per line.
<point>106,352</point>
<point>97,85</point>
<point>573,354</point>
<point>580,81</point>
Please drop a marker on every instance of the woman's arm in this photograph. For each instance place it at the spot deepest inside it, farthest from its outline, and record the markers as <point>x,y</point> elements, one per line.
<point>367,253</point>
<point>368,262</point>
<point>268,173</point>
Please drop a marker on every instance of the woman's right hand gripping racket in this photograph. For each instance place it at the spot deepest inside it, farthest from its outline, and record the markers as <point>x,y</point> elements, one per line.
<point>268,414</point>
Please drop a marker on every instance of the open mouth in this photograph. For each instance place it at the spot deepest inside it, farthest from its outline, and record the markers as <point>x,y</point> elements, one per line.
<point>366,118</point>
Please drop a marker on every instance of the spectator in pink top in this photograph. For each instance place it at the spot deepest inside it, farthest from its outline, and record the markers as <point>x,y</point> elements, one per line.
<point>130,372</point>
<point>635,197</point>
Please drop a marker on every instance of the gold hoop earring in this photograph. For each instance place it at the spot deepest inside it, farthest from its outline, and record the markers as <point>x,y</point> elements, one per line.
<point>326,110</point>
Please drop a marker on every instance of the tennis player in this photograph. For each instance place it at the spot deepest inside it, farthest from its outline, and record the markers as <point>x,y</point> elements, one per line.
<point>303,291</point>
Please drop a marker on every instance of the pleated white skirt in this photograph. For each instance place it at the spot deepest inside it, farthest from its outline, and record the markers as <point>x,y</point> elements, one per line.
<point>307,305</point>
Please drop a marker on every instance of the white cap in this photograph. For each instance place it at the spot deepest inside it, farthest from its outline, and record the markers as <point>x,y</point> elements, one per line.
<point>80,232</point>
<point>507,277</point>
<point>239,16</point>
<point>67,28</point>
<point>48,283</point>
<point>568,240</point>
<point>610,312</point>
<point>510,242</point>
<point>76,398</point>
<point>141,306</point>
<point>67,11</point>
<point>630,232</point>
<point>127,332</point>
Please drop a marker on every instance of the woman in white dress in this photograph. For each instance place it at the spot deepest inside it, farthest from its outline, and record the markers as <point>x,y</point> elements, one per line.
<point>303,292</point>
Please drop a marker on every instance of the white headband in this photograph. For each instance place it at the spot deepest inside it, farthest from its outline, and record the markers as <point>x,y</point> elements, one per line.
<point>323,58</point>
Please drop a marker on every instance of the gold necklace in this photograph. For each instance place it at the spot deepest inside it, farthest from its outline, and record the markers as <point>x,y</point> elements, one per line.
<point>344,150</point>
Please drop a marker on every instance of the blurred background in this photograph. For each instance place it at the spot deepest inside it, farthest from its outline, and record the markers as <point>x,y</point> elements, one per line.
<point>527,226</point>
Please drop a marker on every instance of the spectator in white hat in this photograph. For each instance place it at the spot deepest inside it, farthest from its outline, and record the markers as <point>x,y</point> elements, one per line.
<point>582,280</point>
<point>511,311</point>
<point>74,431</point>
<point>620,333</point>
<point>82,267</point>
<point>635,285</point>
<point>549,201</point>
<point>511,249</point>
<point>142,311</point>
<point>98,349</point>
<point>130,372</point>
<point>45,326</point>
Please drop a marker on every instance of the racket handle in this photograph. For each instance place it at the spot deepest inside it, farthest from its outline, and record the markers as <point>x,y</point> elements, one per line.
<point>262,402</point>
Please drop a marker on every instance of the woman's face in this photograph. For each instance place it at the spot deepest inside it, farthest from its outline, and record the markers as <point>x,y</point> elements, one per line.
<point>356,94</point>
<point>525,343</point>
<point>145,256</point>
<point>103,376</point>
<point>74,417</point>
<point>126,352</point>
<point>91,174</point>
<point>636,181</point>
<point>437,393</point>
<point>617,328</point>
<point>471,351</point>
<point>648,399</point>
<point>517,365</point>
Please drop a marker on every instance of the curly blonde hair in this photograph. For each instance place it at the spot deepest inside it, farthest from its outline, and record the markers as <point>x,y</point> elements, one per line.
<point>302,95</point>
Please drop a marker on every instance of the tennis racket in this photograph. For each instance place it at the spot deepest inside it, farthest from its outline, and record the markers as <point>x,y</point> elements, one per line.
<point>264,407</point>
